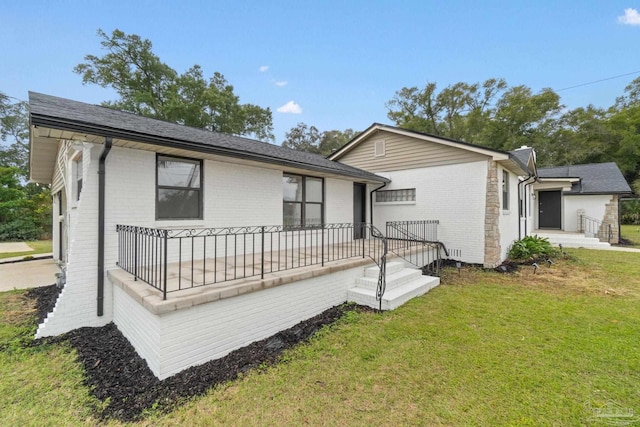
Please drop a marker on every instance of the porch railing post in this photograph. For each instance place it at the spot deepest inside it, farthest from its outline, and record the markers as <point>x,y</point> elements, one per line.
<point>322,245</point>
<point>135,254</point>
<point>164,267</point>
<point>262,254</point>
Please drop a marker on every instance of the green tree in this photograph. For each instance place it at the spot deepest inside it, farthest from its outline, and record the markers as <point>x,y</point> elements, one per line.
<point>149,87</point>
<point>25,208</point>
<point>308,138</point>
<point>303,138</point>
<point>488,113</point>
<point>14,135</point>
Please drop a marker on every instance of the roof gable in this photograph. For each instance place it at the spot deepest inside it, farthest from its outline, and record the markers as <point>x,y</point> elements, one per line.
<point>422,142</point>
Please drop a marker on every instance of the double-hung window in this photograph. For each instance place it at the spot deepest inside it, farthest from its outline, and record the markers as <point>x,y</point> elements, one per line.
<point>505,190</point>
<point>77,176</point>
<point>179,188</point>
<point>303,201</point>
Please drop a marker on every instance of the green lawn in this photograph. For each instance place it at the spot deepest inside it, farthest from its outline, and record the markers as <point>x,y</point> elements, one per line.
<point>631,233</point>
<point>481,349</point>
<point>38,246</point>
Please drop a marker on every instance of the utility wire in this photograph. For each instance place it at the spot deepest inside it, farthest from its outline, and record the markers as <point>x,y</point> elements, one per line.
<point>597,81</point>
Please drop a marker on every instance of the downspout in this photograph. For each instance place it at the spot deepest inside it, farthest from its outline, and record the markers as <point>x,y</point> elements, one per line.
<point>526,208</point>
<point>522,206</point>
<point>101,197</point>
<point>371,201</point>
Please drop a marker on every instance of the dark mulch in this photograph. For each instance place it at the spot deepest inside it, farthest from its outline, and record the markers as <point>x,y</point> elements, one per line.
<point>45,298</point>
<point>120,379</point>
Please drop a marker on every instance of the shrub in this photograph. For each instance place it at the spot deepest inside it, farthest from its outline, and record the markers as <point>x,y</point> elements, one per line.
<point>531,247</point>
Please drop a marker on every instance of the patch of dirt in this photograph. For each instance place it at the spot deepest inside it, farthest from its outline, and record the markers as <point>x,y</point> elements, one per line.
<point>125,385</point>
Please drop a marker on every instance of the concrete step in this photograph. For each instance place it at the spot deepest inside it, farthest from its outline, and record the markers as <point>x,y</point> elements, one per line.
<point>394,280</point>
<point>393,298</point>
<point>392,267</point>
<point>574,240</point>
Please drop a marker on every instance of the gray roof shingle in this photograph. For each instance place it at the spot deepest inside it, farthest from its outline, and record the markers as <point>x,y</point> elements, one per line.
<point>61,113</point>
<point>596,178</point>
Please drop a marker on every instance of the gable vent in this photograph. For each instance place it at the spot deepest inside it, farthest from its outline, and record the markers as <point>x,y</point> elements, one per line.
<point>380,148</point>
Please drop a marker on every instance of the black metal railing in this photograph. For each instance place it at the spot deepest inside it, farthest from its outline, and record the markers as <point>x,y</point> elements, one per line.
<point>595,228</point>
<point>417,243</point>
<point>175,259</point>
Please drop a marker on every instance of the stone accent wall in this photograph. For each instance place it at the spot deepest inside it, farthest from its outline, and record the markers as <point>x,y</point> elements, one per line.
<point>611,217</point>
<point>492,218</point>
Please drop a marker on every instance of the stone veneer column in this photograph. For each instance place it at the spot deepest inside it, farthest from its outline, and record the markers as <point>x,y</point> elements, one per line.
<point>611,217</point>
<point>492,217</point>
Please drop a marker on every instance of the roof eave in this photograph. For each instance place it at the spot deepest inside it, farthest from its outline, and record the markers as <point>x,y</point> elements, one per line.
<point>93,129</point>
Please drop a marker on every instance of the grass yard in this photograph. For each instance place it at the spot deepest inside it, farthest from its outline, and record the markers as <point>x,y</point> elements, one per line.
<point>38,246</point>
<point>481,349</point>
<point>631,233</point>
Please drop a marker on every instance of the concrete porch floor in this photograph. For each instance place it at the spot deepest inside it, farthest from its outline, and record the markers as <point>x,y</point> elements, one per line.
<point>214,279</point>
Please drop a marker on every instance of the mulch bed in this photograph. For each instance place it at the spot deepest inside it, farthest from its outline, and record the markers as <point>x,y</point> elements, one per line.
<point>45,298</point>
<point>121,379</point>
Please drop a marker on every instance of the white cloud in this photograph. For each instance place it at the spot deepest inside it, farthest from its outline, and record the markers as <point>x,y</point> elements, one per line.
<point>281,83</point>
<point>630,17</point>
<point>290,108</point>
<point>263,68</point>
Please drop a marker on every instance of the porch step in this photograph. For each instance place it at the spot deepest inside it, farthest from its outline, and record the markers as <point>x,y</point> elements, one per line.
<point>392,267</point>
<point>402,284</point>
<point>394,279</point>
<point>574,240</point>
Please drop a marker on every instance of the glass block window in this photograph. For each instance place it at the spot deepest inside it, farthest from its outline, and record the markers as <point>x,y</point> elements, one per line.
<point>404,195</point>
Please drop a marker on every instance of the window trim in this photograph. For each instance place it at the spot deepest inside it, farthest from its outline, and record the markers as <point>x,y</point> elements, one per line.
<point>200,189</point>
<point>380,148</point>
<point>303,203</point>
<point>78,177</point>
<point>505,190</point>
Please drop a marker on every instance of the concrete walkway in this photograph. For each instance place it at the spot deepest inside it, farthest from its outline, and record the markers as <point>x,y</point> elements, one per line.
<point>27,274</point>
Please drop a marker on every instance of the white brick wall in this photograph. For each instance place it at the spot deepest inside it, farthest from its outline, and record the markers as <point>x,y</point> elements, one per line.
<point>508,218</point>
<point>452,194</point>
<point>234,195</point>
<point>175,341</point>
<point>594,206</point>
<point>339,201</point>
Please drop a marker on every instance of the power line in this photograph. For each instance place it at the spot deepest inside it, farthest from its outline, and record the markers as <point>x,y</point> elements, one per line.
<point>598,81</point>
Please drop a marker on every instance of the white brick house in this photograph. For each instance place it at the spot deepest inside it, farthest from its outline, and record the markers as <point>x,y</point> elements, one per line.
<point>196,243</point>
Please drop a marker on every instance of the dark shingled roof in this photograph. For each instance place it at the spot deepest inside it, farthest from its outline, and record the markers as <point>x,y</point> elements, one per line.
<point>523,155</point>
<point>60,113</point>
<point>596,178</point>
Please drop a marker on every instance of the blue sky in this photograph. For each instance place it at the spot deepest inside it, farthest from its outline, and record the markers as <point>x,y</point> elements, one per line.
<point>334,63</point>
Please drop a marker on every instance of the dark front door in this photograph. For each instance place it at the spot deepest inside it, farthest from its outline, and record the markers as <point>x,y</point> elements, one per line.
<point>359,209</point>
<point>549,209</point>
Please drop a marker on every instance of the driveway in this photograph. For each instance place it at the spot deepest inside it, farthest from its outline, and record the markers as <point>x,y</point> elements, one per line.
<point>27,274</point>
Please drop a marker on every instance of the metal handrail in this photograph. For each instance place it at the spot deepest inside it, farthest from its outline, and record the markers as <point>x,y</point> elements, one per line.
<point>595,227</point>
<point>381,262</point>
<point>398,231</point>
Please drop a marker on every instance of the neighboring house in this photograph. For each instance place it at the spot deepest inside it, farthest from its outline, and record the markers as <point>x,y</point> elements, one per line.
<point>580,199</point>
<point>473,191</point>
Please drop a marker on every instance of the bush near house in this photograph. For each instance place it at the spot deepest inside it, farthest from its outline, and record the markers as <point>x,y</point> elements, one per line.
<point>531,247</point>
<point>25,210</point>
<point>630,212</point>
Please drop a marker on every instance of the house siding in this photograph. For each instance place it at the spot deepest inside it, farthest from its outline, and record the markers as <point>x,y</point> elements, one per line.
<point>403,152</point>
<point>592,205</point>
<point>452,194</point>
